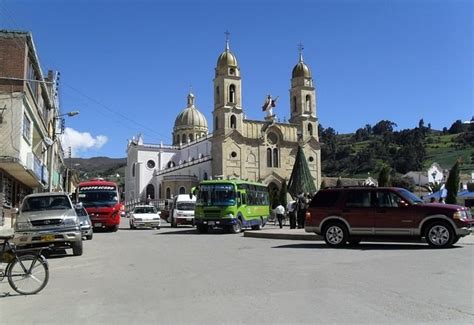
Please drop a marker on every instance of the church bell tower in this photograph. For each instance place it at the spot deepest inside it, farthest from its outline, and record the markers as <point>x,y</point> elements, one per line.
<point>303,100</point>
<point>227,113</point>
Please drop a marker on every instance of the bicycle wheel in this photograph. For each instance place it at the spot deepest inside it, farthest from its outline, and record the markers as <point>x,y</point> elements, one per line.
<point>28,274</point>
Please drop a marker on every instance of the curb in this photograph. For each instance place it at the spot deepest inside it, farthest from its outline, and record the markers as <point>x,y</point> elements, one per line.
<point>273,235</point>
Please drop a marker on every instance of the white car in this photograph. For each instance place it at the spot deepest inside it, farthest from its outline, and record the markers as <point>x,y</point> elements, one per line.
<point>145,216</point>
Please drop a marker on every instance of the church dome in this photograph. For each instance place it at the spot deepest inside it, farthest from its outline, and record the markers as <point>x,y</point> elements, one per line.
<point>226,59</point>
<point>190,117</point>
<point>301,70</point>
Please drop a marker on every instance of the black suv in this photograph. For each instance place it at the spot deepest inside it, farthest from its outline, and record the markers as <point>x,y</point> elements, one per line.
<point>351,214</point>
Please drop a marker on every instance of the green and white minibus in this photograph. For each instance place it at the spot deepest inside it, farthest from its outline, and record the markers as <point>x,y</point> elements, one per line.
<point>231,204</point>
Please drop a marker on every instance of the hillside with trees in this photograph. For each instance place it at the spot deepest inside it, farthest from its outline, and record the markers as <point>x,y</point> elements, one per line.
<point>372,148</point>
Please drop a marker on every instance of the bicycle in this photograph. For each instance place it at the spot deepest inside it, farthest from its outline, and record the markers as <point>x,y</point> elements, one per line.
<point>27,270</point>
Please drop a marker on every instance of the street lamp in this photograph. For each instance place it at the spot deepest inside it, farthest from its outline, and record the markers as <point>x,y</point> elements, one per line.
<point>51,165</point>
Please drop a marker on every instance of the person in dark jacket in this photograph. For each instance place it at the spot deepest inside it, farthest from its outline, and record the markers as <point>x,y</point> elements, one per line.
<point>301,208</point>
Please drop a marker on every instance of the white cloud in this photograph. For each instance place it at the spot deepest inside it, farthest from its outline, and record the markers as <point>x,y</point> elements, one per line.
<point>81,141</point>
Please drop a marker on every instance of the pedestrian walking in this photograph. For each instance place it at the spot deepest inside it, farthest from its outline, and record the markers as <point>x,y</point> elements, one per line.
<point>280,213</point>
<point>291,210</point>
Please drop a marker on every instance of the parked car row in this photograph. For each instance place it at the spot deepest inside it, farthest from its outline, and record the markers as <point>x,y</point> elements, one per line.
<point>51,219</point>
<point>179,211</point>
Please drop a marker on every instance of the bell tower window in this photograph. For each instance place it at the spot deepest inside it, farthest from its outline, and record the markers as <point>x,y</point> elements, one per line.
<point>216,123</point>
<point>232,94</point>
<point>233,122</point>
<point>310,129</point>
<point>217,94</point>
<point>294,104</point>
<point>308,103</point>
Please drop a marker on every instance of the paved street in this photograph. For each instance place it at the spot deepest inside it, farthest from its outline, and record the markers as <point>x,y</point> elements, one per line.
<point>179,276</point>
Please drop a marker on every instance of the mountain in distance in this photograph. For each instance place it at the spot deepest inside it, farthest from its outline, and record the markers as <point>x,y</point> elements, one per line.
<point>107,168</point>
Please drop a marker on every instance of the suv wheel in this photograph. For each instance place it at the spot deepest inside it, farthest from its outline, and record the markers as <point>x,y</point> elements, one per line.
<point>335,234</point>
<point>439,235</point>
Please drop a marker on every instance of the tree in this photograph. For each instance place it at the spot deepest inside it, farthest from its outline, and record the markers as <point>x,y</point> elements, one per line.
<point>456,127</point>
<point>452,184</point>
<point>301,180</point>
<point>383,127</point>
<point>384,176</point>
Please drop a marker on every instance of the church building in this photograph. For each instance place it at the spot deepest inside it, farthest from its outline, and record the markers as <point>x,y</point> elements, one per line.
<point>257,150</point>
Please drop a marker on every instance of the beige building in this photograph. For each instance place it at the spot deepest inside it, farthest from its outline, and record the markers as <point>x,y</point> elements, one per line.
<point>259,150</point>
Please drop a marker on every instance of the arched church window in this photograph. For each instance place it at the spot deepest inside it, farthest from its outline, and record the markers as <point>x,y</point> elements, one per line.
<point>177,139</point>
<point>216,123</point>
<point>275,157</point>
<point>191,138</point>
<point>183,138</point>
<point>217,94</point>
<point>294,103</point>
<point>308,103</point>
<point>160,192</point>
<point>269,157</point>
<point>150,191</point>
<point>310,129</point>
<point>133,170</point>
<point>205,176</point>
<point>233,122</point>
<point>232,93</point>
<point>182,190</point>
<point>168,193</point>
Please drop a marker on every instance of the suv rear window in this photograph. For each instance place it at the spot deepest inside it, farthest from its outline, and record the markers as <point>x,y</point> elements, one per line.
<point>325,199</point>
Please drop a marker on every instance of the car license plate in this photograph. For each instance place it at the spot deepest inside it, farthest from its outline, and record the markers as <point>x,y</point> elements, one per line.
<point>98,224</point>
<point>47,238</point>
<point>211,223</point>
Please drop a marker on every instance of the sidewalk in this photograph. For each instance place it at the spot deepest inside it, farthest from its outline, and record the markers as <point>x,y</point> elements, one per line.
<point>272,232</point>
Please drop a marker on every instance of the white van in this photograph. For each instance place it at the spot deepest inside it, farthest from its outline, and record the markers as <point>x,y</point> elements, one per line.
<point>182,210</point>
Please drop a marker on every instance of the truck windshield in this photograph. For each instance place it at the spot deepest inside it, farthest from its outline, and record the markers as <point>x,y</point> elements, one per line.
<point>46,203</point>
<point>90,198</point>
<point>216,194</point>
<point>186,206</point>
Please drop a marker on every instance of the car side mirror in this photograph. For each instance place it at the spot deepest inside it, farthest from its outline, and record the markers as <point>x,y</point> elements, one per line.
<point>78,206</point>
<point>15,211</point>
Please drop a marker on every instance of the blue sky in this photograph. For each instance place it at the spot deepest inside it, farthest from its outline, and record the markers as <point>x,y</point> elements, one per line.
<point>127,66</point>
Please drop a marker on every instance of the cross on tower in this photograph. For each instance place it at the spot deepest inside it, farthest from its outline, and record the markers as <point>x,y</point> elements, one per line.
<point>300,51</point>
<point>227,40</point>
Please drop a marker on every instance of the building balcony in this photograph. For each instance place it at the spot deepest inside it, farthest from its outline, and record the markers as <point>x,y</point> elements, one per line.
<point>29,174</point>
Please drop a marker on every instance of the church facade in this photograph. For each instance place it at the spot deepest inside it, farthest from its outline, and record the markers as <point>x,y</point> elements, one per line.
<point>257,150</point>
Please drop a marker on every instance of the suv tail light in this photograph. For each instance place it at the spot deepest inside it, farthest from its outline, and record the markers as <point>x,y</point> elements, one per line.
<point>307,218</point>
